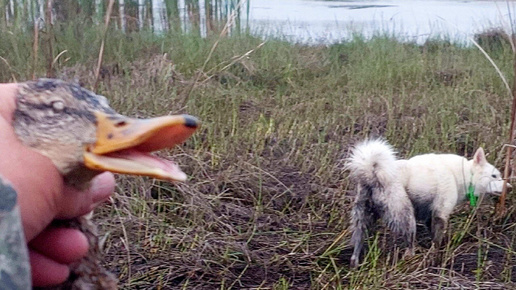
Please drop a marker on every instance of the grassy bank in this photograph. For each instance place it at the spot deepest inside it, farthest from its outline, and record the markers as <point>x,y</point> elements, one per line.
<point>267,204</point>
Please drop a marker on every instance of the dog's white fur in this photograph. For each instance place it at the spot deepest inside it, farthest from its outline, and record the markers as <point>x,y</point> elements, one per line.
<point>425,187</point>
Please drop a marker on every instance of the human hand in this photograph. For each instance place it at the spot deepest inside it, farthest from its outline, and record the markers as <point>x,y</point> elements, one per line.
<point>43,197</point>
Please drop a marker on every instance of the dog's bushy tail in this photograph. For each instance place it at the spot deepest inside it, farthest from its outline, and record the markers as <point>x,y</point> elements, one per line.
<point>373,163</point>
<point>373,167</point>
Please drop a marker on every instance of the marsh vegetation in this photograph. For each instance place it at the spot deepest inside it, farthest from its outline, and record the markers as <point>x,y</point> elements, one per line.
<point>267,205</point>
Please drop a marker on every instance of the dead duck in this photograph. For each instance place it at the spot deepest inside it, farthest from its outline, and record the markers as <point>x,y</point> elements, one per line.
<point>83,136</point>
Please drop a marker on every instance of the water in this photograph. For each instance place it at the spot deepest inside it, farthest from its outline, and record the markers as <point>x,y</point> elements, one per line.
<point>324,22</point>
<point>313,22</point>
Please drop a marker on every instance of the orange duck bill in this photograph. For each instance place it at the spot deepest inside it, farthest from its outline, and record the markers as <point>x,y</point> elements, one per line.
<point>124,144</point>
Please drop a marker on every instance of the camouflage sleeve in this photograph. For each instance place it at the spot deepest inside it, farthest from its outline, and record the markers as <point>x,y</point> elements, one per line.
<point>14,257</point>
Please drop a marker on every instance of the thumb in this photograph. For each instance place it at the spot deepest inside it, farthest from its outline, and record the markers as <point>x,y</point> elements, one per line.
<point>73,202</point>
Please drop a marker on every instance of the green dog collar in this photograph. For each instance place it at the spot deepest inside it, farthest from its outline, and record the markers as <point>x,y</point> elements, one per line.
<point>471,195</point>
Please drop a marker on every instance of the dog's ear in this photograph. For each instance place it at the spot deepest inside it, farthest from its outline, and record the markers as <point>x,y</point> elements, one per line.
<point>480,157</point>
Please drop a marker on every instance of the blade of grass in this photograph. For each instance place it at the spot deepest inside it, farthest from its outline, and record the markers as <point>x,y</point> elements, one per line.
<point>102,44</point>
<point>500,207</point>
<point>35,48</point>
<point>223,33</point>
<point>50,39</point>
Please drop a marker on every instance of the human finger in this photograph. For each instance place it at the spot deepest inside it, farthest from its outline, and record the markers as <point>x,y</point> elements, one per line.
<point>63,245</point>
<point>45,271</point>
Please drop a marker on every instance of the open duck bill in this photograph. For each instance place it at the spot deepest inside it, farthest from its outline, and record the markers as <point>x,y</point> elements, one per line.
<point>123,145</point>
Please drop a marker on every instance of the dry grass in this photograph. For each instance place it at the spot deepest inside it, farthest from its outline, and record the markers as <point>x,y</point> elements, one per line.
<point>267,204</point>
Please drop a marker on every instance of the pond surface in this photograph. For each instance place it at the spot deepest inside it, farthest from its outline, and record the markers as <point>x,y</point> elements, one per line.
<point>324,22</point>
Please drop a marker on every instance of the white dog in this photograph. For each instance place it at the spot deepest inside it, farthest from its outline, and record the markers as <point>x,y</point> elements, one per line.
<point>425,187</point>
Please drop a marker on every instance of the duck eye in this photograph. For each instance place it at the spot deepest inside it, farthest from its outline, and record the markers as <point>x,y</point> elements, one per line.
<point>58,106</point>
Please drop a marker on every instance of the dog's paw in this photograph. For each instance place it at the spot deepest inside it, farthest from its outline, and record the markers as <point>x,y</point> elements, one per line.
<point>409,253</point>
<point>354,262</point>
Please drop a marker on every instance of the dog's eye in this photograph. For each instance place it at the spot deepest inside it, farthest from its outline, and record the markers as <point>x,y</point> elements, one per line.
<point>494,176</point>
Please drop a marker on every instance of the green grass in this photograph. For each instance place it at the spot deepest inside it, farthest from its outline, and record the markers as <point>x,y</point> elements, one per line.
<point>268,199</point>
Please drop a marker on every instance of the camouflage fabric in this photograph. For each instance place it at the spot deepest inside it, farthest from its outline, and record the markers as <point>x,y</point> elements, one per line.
<point>14,257</point>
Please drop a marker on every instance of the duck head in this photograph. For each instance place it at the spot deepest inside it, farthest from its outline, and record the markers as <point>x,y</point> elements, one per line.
<point>83,136</point>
